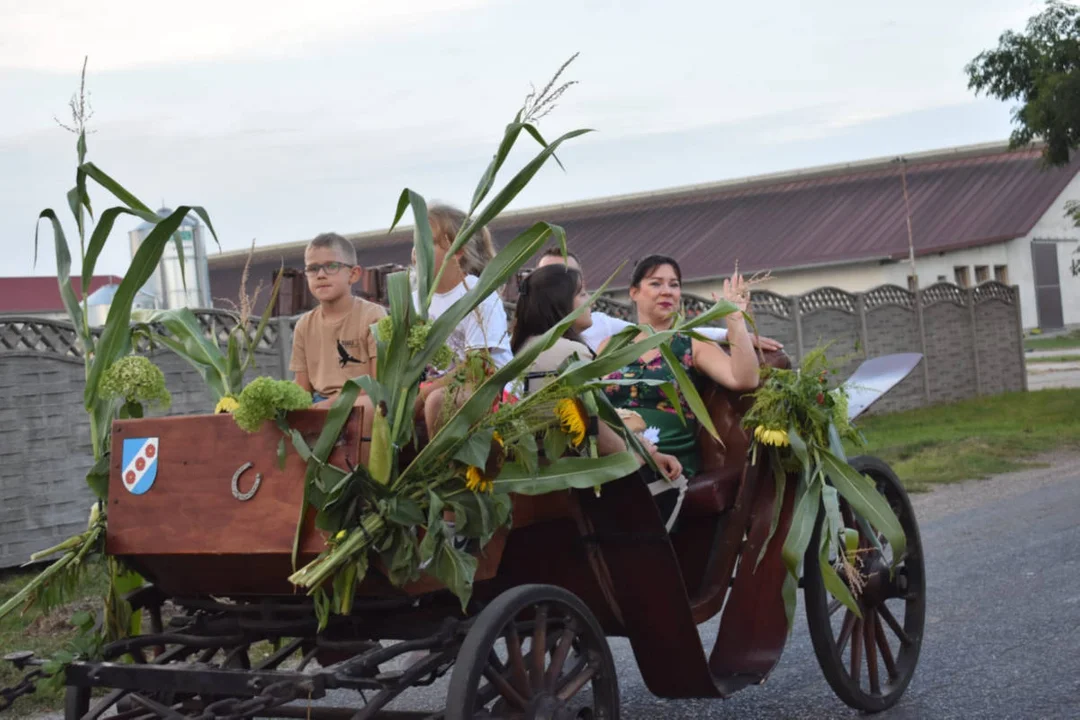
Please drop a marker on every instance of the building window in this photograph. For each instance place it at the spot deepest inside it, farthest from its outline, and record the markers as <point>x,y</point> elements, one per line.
<point>1001,274</point>
<point>942,278</point>
<point>982,274</point>
<point>962,276</point>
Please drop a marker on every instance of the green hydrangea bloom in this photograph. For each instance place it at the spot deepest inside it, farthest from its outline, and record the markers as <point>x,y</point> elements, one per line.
<point>264,398</point>
<point>417,338</point>
<point>384,328</point>
<point>136,379</point>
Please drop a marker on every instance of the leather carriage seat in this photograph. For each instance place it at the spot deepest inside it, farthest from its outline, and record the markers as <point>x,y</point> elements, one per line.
<point>713,490</point>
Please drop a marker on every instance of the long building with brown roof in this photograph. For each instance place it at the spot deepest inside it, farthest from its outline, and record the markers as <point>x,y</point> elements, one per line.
<point>977,213</point>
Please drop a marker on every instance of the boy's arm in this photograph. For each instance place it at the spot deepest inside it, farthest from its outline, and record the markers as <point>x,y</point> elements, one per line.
<point>298,359</point>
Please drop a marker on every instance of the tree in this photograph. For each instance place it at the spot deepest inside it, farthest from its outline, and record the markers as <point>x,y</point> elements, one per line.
<point>1040,68</point>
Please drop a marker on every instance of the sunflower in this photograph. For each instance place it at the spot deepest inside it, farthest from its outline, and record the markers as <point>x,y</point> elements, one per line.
<point>477,481</point>
<point>572,419</point>
<point>767,436</point>
<point>226,404</point>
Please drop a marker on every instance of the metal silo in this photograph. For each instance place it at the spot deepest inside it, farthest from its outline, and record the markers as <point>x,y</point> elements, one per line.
<point>167,283</point>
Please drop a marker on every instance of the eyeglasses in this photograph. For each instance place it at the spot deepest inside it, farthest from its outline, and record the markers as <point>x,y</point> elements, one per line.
<point>330,268</point>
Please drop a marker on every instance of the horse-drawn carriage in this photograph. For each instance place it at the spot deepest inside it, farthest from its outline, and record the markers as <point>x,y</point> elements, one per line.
<point>229,638</point>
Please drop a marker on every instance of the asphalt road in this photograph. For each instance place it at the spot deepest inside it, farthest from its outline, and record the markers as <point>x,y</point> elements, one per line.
<point>1003,617</point>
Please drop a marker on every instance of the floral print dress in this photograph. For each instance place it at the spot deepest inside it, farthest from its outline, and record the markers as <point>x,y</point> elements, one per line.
<point>649,401</point>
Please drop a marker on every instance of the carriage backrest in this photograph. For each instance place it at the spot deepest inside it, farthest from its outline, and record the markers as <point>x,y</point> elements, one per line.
<point>726,409</point>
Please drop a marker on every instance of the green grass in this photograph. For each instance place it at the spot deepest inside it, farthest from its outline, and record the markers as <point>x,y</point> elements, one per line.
<point>974,438</point>
<point>1052,359</point>
<point>1058,342</point>
<point>42,633</point>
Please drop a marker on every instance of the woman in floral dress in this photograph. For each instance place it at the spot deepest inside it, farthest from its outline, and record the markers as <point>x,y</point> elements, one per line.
<point>657,293</point>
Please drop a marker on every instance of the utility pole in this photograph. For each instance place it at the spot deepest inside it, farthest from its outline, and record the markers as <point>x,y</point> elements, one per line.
<point>907,212</point>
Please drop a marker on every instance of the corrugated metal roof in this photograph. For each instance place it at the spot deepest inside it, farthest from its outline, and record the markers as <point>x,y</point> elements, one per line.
<point>839,218</point>
<point>960,198</point>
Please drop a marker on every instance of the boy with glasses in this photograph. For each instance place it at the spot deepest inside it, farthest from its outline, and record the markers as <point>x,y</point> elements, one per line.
<point>333,342</point>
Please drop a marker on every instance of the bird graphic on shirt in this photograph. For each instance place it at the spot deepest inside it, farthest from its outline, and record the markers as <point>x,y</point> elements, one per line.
<point>344,357</point>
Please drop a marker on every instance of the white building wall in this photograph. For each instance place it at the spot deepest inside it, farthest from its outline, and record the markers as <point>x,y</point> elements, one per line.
<point>1053,225</point>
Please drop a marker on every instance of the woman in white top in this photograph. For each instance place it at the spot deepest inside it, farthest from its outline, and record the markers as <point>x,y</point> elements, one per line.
<point>545,297</point>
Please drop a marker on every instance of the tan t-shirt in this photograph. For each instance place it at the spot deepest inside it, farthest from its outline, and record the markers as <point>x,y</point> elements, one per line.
<point>333,351</point>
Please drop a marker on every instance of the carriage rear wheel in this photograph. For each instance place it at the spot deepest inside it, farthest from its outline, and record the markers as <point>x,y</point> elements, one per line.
<point>869,661</point>
<point>534,653</point>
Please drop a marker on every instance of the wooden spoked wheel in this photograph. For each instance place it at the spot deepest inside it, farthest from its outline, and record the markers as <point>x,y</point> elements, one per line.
<point>534,653</point>
<point>869,661</point>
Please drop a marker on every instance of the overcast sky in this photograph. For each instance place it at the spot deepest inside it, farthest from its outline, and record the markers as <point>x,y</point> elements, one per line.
<point>285,121</point>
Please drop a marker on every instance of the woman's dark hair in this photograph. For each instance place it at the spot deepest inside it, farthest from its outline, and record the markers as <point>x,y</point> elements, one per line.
<point>650,263</point>
<point>545,297</point>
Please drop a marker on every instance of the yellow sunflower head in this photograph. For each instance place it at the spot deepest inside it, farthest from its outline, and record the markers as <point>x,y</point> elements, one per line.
<point>226,404</point>
<point>572,419</point>
<point>768,436</point>
<point>476,481</point>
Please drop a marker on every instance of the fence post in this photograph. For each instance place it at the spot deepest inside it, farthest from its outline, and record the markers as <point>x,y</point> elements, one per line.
<point>284,348</point>
<point>1020,337</point>
<point>970,293</point>
<point>922,343</point>
<point>796,315</point>
<point>864,336</point>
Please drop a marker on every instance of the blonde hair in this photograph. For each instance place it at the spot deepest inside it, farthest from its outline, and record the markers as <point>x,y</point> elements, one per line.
<point>446,222</point>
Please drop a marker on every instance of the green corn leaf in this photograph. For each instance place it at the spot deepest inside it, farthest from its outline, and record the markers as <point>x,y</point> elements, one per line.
<point>836,587</point>
<point>423,244</point>
<point>187,339</point>
<point>457,427</point>
<point>689,390</point>
<point>798,446</point>
<point>115,339</point>
<point>483,187</point>
<point>505,196</point>
<point>210,375</point>
<point>834,523</point>
<point>565,473</point>
<point>97,240</point>
<point>780,487</point>
<point>75,205</point>
<point>532,130</point>
<point>101,178</point>
<point>63,277</point>
<point>802,527</point>
<point>861,493</point>
<point>790,593</point>
<point>233,362</point>
<point>501,268</point>
<point>205,217</point>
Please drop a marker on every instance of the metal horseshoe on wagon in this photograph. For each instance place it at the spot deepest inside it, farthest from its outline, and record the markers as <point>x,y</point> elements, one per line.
<point>575,569</point>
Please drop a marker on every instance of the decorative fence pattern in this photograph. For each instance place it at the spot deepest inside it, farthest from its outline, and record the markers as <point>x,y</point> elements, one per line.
<point>971,339</point>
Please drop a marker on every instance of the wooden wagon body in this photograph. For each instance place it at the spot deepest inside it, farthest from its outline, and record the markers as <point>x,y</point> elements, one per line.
<point>199,535</point>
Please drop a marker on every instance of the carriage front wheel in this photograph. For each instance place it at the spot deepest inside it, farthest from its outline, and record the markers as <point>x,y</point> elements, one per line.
<point>869,661</point>
<point>535,653</point>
